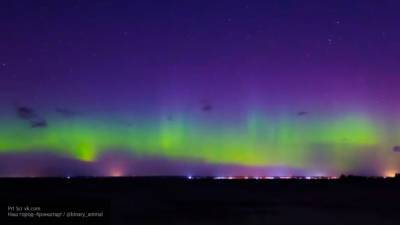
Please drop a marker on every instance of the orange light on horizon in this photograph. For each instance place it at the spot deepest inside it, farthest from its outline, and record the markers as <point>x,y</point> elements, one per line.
<point>116,172</point>
<point>390,173</point>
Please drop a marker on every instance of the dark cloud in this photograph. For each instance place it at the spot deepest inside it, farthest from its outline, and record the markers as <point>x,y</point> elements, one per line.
<point>207,107</point>
<point>25,113</point>
<point>39,124</point>
<point>30,115</point>
<point>66,112</point>
<point>302,113</point>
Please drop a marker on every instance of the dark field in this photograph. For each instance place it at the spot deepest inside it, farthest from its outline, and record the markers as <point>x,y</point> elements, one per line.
<point>205,201</point>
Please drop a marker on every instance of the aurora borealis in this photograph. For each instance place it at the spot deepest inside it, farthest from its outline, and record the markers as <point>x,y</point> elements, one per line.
<point>204,88</point>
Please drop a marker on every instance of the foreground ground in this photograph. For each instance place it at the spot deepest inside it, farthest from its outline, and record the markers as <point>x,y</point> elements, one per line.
<point>205,201</point>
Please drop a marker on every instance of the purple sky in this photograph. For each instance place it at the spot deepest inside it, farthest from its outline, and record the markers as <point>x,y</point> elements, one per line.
<point>111,53</point>
<point>231,56</point>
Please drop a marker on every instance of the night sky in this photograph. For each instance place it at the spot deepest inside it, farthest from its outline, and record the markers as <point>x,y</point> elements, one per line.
<point>199,87</point>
